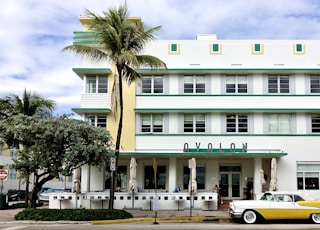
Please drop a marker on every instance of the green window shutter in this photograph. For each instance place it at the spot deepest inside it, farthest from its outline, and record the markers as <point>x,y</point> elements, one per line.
<point>174,47</point>
<point>215,47</point>
<point>299,48</point>
<point>257,47</point>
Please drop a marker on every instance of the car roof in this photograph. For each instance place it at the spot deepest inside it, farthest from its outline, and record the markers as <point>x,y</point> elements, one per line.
<point>300,193</point>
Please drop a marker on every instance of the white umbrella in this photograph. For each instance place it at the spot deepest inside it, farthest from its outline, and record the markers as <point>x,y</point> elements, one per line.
<point>263,181</point>
<point>193,181</point>
<point>76,181</point>
<point>133,175</point>
<point>273,177</point>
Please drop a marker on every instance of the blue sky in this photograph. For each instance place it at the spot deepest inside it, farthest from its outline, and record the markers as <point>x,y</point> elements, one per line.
<point>33,33</point>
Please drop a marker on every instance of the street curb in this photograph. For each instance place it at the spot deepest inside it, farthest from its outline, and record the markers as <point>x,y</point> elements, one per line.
<point>171,219</point>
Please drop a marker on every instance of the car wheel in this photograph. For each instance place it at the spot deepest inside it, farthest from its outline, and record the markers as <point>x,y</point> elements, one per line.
<point>249,217</point>
<point>315,217</point>
<point>18,198</point>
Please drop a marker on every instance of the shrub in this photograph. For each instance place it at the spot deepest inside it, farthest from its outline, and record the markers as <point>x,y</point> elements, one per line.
<point>71,214</point>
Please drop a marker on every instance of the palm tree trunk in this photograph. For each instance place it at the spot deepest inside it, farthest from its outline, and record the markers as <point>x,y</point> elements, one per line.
<point>118,140</point>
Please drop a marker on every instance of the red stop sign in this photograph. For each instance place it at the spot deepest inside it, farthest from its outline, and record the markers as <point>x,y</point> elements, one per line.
<point>3,174</point>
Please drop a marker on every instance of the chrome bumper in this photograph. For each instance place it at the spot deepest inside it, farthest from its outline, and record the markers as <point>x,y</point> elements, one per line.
<point>234,214</point>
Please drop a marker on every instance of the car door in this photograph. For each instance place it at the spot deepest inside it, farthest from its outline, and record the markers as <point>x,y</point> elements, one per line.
<point>282,207</point>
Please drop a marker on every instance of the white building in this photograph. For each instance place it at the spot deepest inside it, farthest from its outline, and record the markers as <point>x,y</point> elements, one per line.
<point>233,105</point>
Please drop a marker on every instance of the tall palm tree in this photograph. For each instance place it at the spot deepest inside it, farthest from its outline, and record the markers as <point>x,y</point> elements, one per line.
<point>121,42</point>
<point>31,104</point>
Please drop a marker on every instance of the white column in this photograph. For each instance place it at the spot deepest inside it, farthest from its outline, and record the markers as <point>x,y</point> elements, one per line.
<point>257,187</point>
<point>85,178</point>
<point>172,176</point>
<point>96,179</point>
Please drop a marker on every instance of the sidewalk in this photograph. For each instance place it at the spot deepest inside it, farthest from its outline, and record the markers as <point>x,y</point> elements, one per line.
<point>149,216</point>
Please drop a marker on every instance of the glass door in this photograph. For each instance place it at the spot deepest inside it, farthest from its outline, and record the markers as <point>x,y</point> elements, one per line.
<point>230,181</point>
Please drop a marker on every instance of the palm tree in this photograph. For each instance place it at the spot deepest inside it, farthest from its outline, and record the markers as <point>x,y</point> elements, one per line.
<point>121,42</point>
<point>31,104</point>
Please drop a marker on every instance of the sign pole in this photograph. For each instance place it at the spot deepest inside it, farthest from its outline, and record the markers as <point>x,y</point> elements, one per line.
<point>191,165</point>
<point>155,200</point>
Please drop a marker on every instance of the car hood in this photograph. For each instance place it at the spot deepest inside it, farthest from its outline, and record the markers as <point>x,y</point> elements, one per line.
<point>248,203</point>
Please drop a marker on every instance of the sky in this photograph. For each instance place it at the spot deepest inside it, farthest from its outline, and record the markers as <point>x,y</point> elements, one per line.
<point>34,32</point>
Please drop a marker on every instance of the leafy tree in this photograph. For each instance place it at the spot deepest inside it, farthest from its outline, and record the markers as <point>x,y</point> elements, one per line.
<point>121,42</point>
<point>54,146</point>
<point>31,104</point>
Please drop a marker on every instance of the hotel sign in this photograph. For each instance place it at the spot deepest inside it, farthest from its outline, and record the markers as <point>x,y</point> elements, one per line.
<point>211,148</point>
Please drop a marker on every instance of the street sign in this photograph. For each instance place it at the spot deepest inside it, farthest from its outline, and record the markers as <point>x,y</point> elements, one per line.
<point>156,205</point>
<point>112,163</point>
<point>3,174</point>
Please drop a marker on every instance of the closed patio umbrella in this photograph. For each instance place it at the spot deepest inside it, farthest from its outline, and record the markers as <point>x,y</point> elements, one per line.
<point>76,181</point>
<point>133,175</point>
<point>273,177</point>
<point>193,181</point>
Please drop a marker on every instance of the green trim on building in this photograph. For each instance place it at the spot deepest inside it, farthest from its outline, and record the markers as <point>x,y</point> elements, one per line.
<point>86,43</point>
<point>229,135</point>
<point>81,111</point>
<point>207,154</point>
<point>227,95</point>
<point>83,71</point>
<point>228,70</point>
<point>227,109</point>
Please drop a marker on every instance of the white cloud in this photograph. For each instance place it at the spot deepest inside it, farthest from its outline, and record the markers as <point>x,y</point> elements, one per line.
<point>33,33</point>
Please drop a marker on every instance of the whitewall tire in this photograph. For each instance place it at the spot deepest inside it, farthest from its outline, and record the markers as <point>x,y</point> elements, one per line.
<point>249,217</point>
<point>315,217</point>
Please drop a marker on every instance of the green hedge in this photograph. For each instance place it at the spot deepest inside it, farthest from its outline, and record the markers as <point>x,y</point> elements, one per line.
<point>71,214</point>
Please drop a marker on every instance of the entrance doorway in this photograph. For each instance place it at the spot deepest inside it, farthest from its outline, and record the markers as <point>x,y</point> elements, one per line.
<point>230,181</point>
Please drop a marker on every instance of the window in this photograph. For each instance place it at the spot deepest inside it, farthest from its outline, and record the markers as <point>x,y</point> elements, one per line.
<point>315,84</point>
<point>280,123</point>
<point>174,48</point>
<point>278,84</point>
<point>122,178</point>
<point>149,178</point>
<point>299,48</point>
<point>237,123</point>
<point>13,152</point>
<point>152,84</point>
<point>200,177</point>
<point>236,84</point>
<point>97,84</point>
<point>315,123</point>
<point>308,176</point>
<point>194,123</point>
<point>257,48</point>
<point>194,84</point>
<point>215,48</point>
<point>97,120</point>
<point>151,123</point>
<point>12,174</point>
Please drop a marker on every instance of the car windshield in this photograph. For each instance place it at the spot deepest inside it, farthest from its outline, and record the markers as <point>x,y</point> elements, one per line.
<point>267,196</point>
<point>53,190</point>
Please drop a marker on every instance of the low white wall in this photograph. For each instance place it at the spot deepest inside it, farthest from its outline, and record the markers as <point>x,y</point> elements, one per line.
<point>143,201</point>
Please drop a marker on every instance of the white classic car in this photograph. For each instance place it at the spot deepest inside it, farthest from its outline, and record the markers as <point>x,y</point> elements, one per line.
<point>276,206</point>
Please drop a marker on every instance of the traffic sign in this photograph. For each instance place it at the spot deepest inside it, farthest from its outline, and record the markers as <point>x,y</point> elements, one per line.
<point>112,163</point>
<point>3,174</point>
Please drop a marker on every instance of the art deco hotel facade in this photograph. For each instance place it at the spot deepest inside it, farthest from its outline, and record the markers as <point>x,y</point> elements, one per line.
<point>233,105</point>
